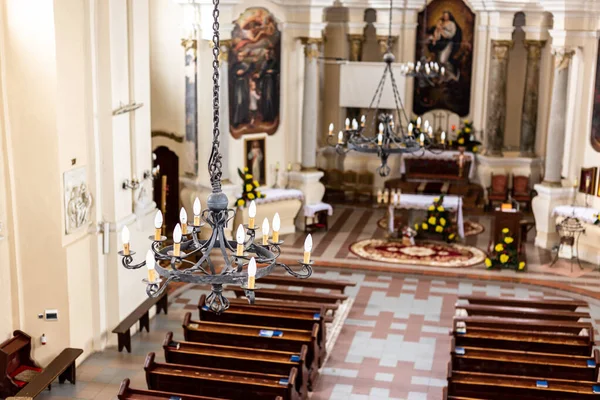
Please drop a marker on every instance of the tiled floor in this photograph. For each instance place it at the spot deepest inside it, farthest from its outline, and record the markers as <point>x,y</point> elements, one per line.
<point>393,345</point>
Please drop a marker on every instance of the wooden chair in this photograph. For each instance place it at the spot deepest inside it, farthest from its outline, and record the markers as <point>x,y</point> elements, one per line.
<point>521,191</point>
<point>364,189</point>
<point>15,363</point>
<point>350,185</point>
<point>498,191</point>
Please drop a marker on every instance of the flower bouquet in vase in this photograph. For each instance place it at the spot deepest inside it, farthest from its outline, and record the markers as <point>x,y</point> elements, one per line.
<point>437,225</point>
<point>249,189</point>
<point>466,138</point>
<point>505,254</point>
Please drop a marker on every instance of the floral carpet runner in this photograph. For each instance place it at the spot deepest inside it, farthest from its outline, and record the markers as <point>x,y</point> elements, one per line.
<point>435,254</point>
<point>472,228</point>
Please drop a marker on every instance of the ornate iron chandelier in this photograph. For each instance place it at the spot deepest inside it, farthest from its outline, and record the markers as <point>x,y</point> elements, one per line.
<point>190,259</point>
<point>391,138</point>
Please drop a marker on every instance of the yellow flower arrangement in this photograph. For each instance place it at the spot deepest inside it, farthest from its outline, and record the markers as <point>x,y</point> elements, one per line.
<point>488,262</point>
<point>249,188</point>
<point>475,149</point>
<point>467,129</point>
<point>499,247</point>
<point>452,236</point>
<point>241,202</point>
<point>435,200</point>
<point>431,220</point>
<point>431,208</point>
<point>417,227</point>
<point>256,183</point>
<point>443,221</point>
<point>251,196</point>
<point>505,230</point>
<point>440,208</point>
<point>248,176</point>
<point>258,194</point>
<point>508,240</point>
<point>504,258</point>
<point>424,225</point>
<point>461,141</point>
<point>439,229</point>
<point>245,169</point>
<point>521,265</point>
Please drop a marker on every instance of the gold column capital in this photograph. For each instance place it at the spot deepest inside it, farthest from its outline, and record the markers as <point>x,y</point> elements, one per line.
<point>534,48</point>
<point>189,43</point>
<point>382,40</point>
<point>311,47</point>
<point>309,40</point>
<point>356,43</point>
<point>562,57</point>
<point>500,49</point>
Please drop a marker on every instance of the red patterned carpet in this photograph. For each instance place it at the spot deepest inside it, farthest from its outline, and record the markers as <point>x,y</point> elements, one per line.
<point>472,228</point>
<point>435,254</point>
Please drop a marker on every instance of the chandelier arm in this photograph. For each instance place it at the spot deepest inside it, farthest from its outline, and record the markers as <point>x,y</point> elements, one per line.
<point>127,263</point>
<point>224,245</point>
<point>214,163</point>
<point>157,289</point>
<point>304,272</point>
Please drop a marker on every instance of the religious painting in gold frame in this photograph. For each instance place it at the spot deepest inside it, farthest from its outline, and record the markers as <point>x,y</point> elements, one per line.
<point>255,159</point>
<point>587,180</point>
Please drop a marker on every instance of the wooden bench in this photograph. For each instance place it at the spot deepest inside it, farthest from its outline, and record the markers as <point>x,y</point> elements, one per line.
<point>62,367</point>
<point>239,359</point>
<point>524,341</point>
<point>235,385</point>
<point>521,363</point>
<point>286,280</point>
<point>498,387</point>
<point>15,359</point>
<point>306,306</point>
<point>278,318</point>
<point>254,337</point>
<point>532,325</point>
<point>326,298</point>
<point>522,313</point>
<point>126,392</point>
<point>566,305</point>
<point>141,314</point>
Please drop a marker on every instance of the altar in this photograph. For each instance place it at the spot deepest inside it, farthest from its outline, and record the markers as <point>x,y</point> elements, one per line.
<point>423,202</point>
<point>449,165</point>
<point>588,246</point>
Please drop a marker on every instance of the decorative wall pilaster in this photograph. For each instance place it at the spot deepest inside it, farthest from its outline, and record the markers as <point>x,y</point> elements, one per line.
<point>190,164</point>
<point>310,103</point>
<point>558,111</point>
<point>224,110</point>
<point>530,97</point>
<point>496,98</point>
<point>356,47</point>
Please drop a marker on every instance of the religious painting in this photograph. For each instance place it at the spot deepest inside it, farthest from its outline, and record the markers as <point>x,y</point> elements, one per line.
<point>255,159</point>
<point>78,200</point>
<point>587,181</point>
<point>595,134</point>
<point>447,38</point>
<point>254,73</point>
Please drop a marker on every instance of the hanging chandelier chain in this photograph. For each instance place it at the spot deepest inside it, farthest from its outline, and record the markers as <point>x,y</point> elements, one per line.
<point>215,163</point>
<point>389,40</point>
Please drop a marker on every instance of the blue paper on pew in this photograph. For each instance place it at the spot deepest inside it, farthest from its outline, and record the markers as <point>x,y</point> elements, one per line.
<point>459,350</point>
<point>174,398</point>
<point>265,333</point>
<point>205,308</point>
<point>541,384</point>
<point>596,388</point>
<point>283,381</point>
<point>591,364</point>
<point>317,316</point>
<point>277,333</point>
<point>295,358</point>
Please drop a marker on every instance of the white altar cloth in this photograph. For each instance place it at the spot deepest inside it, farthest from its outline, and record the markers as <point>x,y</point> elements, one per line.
<point>585,214</point>
<point>446,155</point>
<point>311,209</point>
<point>272,195</point>
<point>423,202</point>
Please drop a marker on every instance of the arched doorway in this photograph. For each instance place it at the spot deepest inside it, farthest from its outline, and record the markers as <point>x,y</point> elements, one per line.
<point>166,187</point>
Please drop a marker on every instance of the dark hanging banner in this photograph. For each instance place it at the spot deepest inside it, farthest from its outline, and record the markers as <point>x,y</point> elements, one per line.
<point>595,135</point>
<point>448,40</point>
<point>254,65</point>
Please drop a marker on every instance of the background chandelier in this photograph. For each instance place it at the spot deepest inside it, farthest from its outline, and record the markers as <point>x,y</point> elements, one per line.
<point>424,71</point>
<point>387,136</point>
<point>190,259</point>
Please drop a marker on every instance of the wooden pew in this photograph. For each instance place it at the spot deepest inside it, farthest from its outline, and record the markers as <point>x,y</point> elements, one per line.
<point>326,298</point>
<point>239,359</point>
<point>498,387</point>
<point>305,306</point>
<point>533,325</point>
<point>311,282</point>
<point>524,341</point>
<point>141,314</point>
<point>521,313</point>
<point>278,318</point>
<point>15,358</point>
<point>250,336</point>
<point>235,385</point>
<point>127,392</point>
<point>565,305</point>
<point>62,367</point>
<point>521,363</point>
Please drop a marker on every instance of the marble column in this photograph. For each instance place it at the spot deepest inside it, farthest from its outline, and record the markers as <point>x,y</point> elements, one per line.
<point>310,103</point>
<point>496,98</point>
<point>190,162</point>
<point>558,113</point>
<point>530,97</point>
<point>224,110</point>
<point>356,47</point>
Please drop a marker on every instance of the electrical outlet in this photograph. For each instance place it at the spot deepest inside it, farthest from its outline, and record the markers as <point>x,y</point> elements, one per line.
<point>51,315</point>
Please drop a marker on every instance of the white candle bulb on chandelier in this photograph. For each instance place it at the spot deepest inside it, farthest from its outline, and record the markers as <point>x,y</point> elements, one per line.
<point>354,124</point>
<point>379,196</point>
<point>251,273</point>
<point>197,209</point>
<point>379,138</point>
<point>443,137</point>
<point>381,127</point>
<point>340,137</point>
<point>239,238</point>
<point>265,232</point>
<point>347,123</point>
<point>177,240</point>
<point>308,243</point>
<point>331,129</point>
<point>276,226</point>
<point>363,119</point>
<point>125,240</point>
<point>251,214</point>
<point>422,139</point>
<point>152,276</point>
<point>418,122</point>
<point>183,220</point>
<point>410,129</point>
<point>430,132</point>
<point>442,71</point>
<point>158,222</point>
<point>426,125</point>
